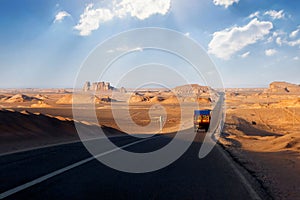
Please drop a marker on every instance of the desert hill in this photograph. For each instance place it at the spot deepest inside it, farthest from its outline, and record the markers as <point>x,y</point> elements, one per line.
<point>283,87</point>
<point>82,99</point>
<point>18,98</point>
<point>16,125</point>
<point>185,93</point>
<point>19,130</point>
<point>191,90</point>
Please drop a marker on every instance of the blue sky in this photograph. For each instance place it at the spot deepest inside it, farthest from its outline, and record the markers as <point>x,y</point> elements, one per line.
<point>252,42</point>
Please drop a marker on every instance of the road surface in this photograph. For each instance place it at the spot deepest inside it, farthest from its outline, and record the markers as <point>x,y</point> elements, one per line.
<point>29,175</point>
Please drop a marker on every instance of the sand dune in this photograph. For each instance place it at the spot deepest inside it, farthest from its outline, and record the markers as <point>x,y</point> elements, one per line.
<point>172,100</point>
<point>166,98</point>
<point>41,97</point>
<point>83,99</point>
<point>137,98</point>
<point>40,104</point>
<point>286,103</point>
<point>262,132</point>
<point>25,124</point>
<point>66,99</point>
<point>18,98</point>
<point>24,129</point>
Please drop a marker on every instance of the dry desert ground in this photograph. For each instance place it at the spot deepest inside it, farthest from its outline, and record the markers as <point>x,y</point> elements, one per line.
<point>262,128</point>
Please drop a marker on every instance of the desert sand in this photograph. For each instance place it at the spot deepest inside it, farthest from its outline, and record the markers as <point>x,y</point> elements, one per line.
<point>261,130</point>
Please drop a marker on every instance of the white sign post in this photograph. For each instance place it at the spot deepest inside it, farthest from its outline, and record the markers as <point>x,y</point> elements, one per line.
<point>160,123</point>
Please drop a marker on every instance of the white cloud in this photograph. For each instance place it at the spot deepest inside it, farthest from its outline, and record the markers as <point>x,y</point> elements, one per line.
<point>60,16</point>
<point>187,34</point>
<point>270,39</point>
<point>227,42</point>
<point>255,14</point>
<point>245,55</point>
<point>275,14</point>
<point>225,3</point>
<point>294,43</point>
<point>279,32</point>
<point>125,49</point>
<point>270,52</point>
<point>141,9</point>
<point>91,18</point>
<point>294,33</point>
<point>296,58</point>
<point>279,41</point>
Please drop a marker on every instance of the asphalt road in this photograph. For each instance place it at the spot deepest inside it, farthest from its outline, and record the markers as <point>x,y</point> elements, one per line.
<point>212,177</point>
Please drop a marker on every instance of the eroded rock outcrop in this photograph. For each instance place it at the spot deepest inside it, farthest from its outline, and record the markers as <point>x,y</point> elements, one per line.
<point>97,86</point>
<point>283,87</point>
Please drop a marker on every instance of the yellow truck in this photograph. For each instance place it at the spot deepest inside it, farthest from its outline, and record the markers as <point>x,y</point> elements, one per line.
<point>202,119</point>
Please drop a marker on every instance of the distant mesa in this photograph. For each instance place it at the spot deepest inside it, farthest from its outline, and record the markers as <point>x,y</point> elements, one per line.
<point>101,86</point>
<point>123,90</point>
<point>97,86</point>
<point>189,90</point>
<point>283,87</point>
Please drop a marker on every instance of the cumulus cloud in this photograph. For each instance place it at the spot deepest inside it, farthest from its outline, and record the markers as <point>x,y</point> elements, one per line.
<point>245,55</point>
<point>294,33</point>
<point>141,9</point>
<point>294,43</point>
<point>253,15</point>
<point>270,52</point>
<point>92,17</point>
<point>275,14</point>
<point>225,3</point>
<point>60,16</point>
<point>227,42</point>
<point>296,58</point>
<point>279,41</point>
<point>278,32</point>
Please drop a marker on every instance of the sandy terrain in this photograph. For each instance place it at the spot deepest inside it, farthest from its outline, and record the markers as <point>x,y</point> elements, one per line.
<point>261,131</point>
<point>33,117</point>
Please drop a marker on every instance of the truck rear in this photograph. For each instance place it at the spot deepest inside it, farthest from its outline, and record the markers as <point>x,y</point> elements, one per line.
<point>202,119</point>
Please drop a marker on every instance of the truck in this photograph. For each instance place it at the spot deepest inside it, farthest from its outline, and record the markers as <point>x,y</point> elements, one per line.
<point>202,119</point>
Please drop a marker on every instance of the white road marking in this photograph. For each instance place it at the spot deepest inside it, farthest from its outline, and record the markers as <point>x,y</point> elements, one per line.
<point>60,171</point>
<point>57,144</point>
<point>12,191</point>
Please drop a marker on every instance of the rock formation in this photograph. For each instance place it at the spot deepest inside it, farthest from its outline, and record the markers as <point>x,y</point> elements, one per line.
<point>123,90</point>
<point>86,86</point>
<point>101,86</point>
<point>190,90</point>
<point>283,87</point>
<point>18,98</point>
